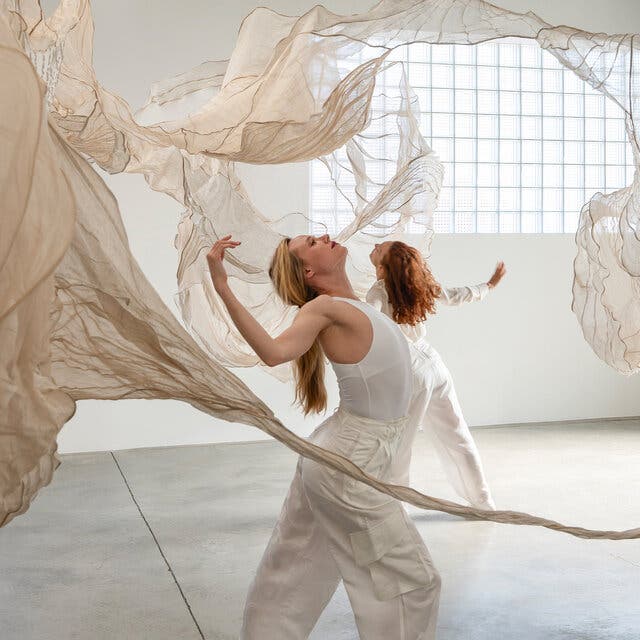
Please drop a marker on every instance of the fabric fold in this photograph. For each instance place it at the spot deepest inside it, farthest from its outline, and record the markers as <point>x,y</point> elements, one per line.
<point>78,318</point>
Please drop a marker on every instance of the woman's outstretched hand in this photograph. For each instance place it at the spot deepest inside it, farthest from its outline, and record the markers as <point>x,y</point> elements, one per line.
<point>215,258</point>
<point>498,274</point>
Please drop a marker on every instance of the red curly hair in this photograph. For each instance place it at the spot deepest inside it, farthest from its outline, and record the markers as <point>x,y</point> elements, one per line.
<point>410,285</point>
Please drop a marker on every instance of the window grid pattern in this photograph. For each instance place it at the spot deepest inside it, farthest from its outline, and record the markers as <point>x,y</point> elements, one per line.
<point>524,141</point>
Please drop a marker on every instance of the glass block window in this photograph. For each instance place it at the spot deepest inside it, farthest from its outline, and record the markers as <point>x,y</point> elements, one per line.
<point>524,141</point>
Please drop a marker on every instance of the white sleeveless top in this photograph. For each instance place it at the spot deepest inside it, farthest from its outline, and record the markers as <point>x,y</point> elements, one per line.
<point>380,385</point>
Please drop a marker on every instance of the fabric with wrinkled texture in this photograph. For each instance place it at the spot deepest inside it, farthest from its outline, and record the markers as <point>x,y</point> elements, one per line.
<point>79,320</point>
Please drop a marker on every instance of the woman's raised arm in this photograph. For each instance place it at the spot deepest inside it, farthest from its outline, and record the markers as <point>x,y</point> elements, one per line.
<point>454,296</point>
<point>292,342</point>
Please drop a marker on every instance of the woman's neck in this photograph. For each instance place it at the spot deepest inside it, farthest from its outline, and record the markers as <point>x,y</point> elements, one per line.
<point>338,288</point>
<point>342,293</point>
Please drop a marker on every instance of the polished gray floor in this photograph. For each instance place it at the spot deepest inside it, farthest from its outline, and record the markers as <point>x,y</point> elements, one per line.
<point>162,543</point>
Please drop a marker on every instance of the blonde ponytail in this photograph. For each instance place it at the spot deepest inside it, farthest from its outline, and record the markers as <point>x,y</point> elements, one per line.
<point>287,274</point>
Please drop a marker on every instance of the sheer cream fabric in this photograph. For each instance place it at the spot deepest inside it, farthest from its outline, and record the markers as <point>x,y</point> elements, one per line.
<point>78,319</point>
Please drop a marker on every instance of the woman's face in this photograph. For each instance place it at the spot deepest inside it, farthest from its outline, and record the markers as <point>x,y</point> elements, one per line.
<point>379,252</point>
<point>319,254</point>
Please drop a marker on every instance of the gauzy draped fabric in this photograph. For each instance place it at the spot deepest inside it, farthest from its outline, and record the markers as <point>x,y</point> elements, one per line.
<point>297,88</point>
<point>79,320</point>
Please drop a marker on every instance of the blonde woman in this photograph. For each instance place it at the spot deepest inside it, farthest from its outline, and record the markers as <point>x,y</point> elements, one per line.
<point>331,527</point>
<point>407,292</point>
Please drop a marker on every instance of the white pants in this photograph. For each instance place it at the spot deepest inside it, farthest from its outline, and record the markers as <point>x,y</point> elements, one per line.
<point>333,528</point>
<point>435,407</point>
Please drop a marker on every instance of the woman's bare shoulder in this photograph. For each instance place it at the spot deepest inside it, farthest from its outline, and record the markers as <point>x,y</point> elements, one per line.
<point>320,304</point>
<point>324,305</point>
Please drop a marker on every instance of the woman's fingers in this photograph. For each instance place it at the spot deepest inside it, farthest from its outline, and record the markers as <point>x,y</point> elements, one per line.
<point>498,274</point>
<point>227,238</point>
<point>217,250</point>
<point>226,243</point>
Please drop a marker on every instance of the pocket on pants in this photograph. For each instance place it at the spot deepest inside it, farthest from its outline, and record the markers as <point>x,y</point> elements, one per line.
<point>392,555</point>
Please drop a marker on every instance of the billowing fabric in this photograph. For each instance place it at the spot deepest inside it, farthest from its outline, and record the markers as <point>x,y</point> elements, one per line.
<point>333,528</point>
<point>79,320</point>
<point>297,88</point>
<point>36,199</point>
<point>379,385</point>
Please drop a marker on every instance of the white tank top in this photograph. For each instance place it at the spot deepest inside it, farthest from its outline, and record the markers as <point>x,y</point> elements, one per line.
<point>379,385</point>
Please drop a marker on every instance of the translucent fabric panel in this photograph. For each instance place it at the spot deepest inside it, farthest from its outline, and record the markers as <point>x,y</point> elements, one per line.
<point>88,323</point>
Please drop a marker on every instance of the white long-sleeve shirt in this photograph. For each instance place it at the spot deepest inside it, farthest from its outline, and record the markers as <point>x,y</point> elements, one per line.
<point>453,296</point>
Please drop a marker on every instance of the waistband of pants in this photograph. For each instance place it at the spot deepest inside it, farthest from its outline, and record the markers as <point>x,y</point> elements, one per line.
<point>368,423</point>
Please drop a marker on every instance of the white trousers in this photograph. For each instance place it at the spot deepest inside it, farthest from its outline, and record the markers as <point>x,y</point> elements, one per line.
<point>333,528</point>
<point>435,407</point>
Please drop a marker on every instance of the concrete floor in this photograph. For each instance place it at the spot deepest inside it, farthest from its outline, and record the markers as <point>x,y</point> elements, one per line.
<point>85,562</point>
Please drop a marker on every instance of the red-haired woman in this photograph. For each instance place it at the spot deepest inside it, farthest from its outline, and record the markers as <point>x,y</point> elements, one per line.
<point>407,292</point>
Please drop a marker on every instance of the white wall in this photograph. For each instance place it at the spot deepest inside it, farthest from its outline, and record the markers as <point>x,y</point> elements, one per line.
<point>517,357</point>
